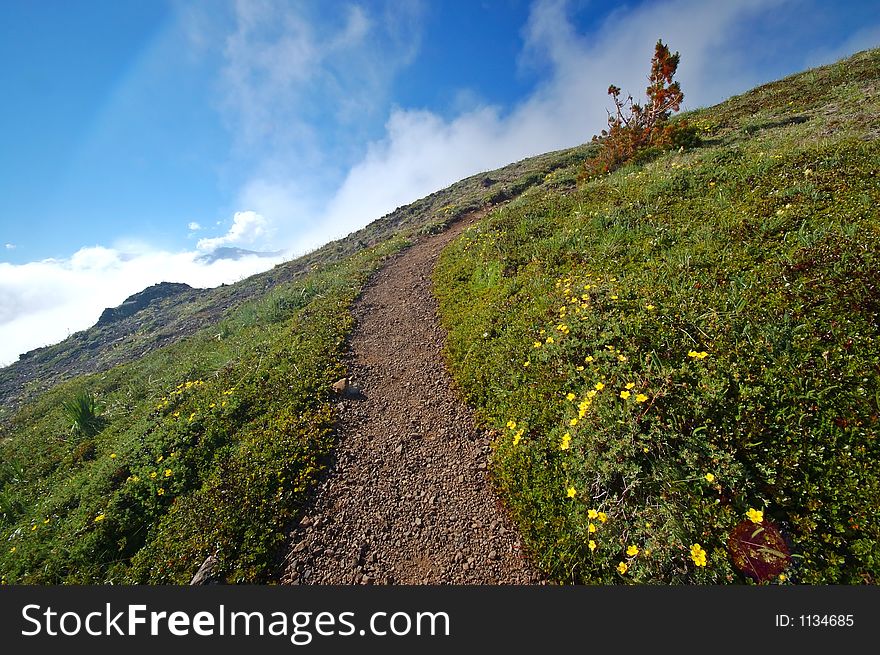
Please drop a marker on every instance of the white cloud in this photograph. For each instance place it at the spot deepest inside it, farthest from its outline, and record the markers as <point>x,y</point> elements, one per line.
<point>248,229</point>
<point>10,246</point>
<point>43,302</point>
<point>194,226</point>
<point>313,178</point>
<point>421,152</point>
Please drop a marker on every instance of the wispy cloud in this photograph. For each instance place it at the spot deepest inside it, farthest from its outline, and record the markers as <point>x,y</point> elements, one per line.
<point>303,90</point>
<point>10,246</point>
<point>317,180</point>
<point>421,152</point>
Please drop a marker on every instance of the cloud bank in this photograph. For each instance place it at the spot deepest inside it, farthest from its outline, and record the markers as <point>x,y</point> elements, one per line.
<point>44,302</point>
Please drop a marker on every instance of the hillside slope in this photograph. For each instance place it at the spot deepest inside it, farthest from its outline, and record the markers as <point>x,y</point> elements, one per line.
<point>681,360</point>
<point>169,319</point>
<point>216,413</point>
<point>679,363</point>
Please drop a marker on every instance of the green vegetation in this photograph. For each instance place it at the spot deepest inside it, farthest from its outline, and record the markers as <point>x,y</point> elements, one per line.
<point>83,413</point>
<point>679,359</point>
<point>207,446</point>
<point>682,356</point>
<point>210,442</point>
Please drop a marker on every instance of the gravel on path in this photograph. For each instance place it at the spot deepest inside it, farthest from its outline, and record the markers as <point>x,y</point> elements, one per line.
<point>407,499</point>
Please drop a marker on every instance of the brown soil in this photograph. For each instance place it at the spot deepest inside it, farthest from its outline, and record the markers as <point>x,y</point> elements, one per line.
<point>407,499</point>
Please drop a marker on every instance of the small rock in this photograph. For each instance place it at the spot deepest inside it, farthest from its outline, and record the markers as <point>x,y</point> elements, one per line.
<point>205,574</point>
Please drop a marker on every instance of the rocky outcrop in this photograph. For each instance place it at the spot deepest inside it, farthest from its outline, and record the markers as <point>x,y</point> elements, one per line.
<point>141,300</point>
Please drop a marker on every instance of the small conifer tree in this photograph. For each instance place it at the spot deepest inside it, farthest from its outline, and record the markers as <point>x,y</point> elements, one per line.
<point>634,126</point>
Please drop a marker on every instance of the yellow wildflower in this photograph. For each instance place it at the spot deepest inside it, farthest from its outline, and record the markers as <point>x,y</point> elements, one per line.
<point>112,455</point>
<point>592,514</point>
<point>592,545</point>
<point>572,492</point>
<point>537,344</point>
<point>517,437</point>
<point>168,473</point>
<point>710,477</point>
<point>632,551</point>
<point>622,568</point>
<point>621,358</point>
<point>588,359</point>
<point>602,517</point>
<point>566,442</point>
<point>573,422</point>
<point>640,398</point>
<point>99,518</point>
<point>698,555</point>
<point>624,394</point>
<point>526,364</point>
<point>153,475</point>
<point>649,307</point>
<point>160,491</point>
<point>599,386</point>
<point>511,424</point>
<point>570,396</point>
<point>630,385</point>
<point>755,515</point>
<point>591,528</point>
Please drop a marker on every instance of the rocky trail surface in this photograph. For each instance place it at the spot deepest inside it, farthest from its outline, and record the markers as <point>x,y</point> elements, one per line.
<point>406,499</point>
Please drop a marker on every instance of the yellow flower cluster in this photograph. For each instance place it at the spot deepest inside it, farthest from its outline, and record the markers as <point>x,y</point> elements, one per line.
<point>179,390</point>
<point>698,555</point>
<point>517,434</point>
<point>693,354</point>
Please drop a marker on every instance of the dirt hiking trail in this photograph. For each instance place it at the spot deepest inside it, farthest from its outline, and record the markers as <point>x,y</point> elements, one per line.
<point>406,499</point>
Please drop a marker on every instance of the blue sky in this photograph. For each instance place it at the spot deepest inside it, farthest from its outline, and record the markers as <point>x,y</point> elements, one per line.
<point>138,135</point>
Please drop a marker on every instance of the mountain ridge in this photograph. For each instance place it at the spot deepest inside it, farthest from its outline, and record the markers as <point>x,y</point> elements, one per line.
<point>104,345</point>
